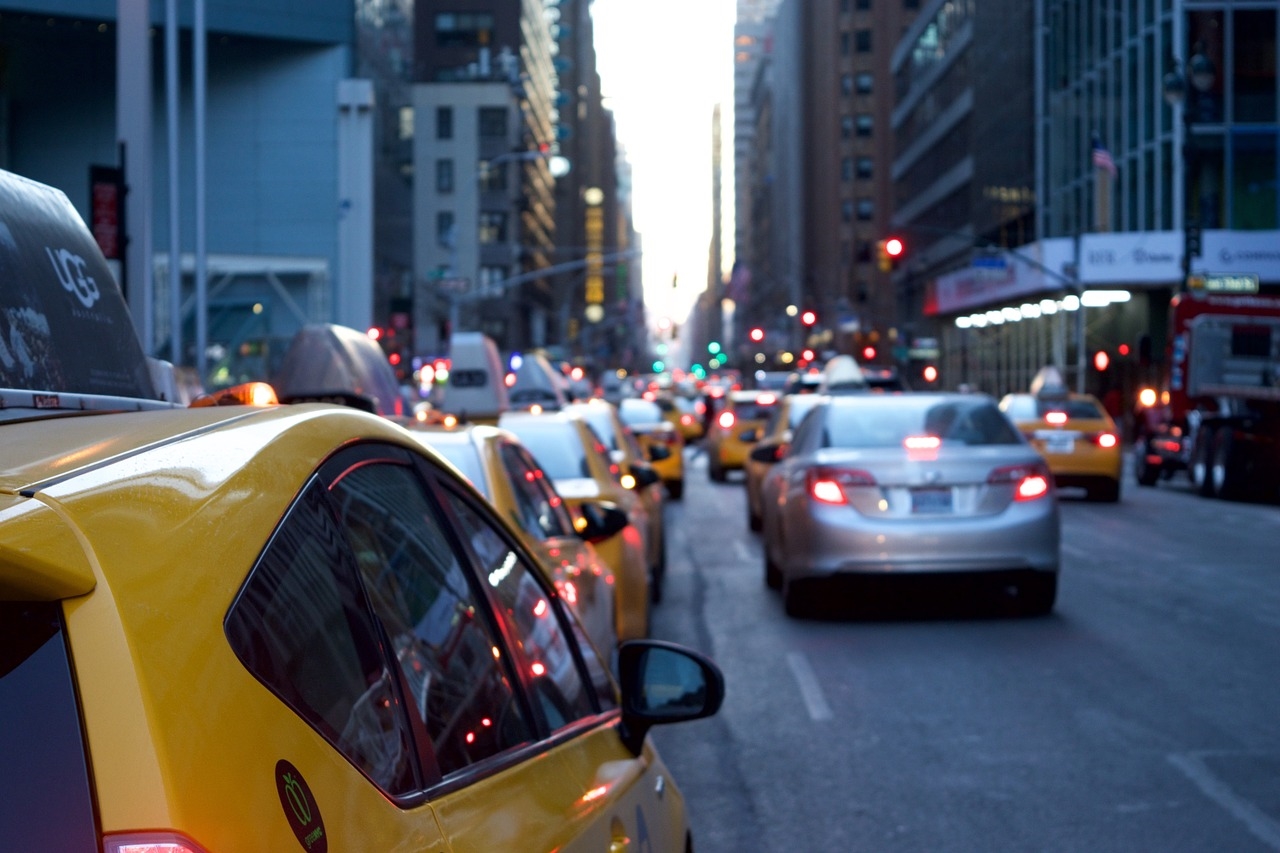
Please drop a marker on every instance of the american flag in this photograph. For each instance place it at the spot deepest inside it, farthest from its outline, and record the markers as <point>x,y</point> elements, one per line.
<point>1102,157</point>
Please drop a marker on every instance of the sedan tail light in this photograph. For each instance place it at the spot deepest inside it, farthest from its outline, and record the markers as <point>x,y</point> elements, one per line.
<point>1029,481</point>
<point>827,485</point>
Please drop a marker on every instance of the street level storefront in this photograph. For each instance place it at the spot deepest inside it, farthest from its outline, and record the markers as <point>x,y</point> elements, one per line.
<point>1062,301</point>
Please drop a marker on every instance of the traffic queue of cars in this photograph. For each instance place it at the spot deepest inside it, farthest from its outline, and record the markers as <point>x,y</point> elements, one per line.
<point>236,626</point>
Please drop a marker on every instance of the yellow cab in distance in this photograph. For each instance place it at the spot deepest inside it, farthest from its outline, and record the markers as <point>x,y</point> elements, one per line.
<point>662,443</point>
<point>503,470</point>
<point>281,628</point>
<point>570,452</point>
<point>735,429</point>
<point>1073,432</point>
<point>775,435</point>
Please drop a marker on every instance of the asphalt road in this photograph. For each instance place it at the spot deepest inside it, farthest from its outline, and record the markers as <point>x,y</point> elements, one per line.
<point>1142,715</point>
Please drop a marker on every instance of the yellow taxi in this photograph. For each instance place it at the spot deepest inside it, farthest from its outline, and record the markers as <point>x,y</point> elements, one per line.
<point>687,414</point>
<point>662,443</point>
<point>578,464</point>
<point>638,474</point>
<point>775,435</point>
<point>281,627</point>
<point>1076,436</point>
<point>737,426</point>
<point>506,473</point>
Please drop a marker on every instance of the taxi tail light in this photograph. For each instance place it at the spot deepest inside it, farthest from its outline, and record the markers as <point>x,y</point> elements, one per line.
<point>150,842</point>
<point>1105,440</point>
<point>726,420</point>
<point>827,484</point>
<point>1029,481</point>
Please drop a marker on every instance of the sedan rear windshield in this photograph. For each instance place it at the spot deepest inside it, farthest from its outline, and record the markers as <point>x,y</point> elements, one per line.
<point>559,452</point>
<point>861,425</point>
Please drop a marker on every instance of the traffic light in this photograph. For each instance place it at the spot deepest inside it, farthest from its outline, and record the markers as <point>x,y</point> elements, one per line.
<point>757,334</point>
<point>929,374</point>
<point>868,353</point>
<point>1193,236</point>
<point>808,318</point>
<point>1101,360</point>
<point>889,251</point>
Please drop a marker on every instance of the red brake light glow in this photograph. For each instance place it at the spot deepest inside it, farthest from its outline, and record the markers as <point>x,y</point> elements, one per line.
<point>922,442</point>
<point>1056,418</point>
<point>767,399</point>
<point>827,485</point>
<point>1107,440</point>
<point>1029,481</point>
<point>726,420</point>
<point>150,842</point>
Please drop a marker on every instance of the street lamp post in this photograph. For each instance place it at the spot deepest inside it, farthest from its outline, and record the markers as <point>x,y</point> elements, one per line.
<point>1184,87</point>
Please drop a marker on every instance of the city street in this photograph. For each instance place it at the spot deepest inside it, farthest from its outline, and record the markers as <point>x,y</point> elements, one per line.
<point>1140,715</point>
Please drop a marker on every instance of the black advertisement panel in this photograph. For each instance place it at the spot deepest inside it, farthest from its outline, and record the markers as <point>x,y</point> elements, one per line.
<point>64,325</point>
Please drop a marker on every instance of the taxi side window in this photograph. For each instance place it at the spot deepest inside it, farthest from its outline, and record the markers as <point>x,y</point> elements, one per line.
<point>457,683</point>
<point>542,646</point>
<point>301,626</point>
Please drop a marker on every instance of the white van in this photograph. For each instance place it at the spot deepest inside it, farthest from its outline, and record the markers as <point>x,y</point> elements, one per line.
<point>475,390</point>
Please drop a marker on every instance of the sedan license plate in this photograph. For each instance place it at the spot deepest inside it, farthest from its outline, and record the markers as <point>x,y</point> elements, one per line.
<point>931,501</point>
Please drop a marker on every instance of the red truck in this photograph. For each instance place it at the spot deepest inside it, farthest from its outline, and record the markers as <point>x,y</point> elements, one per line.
<point>1217,415</point>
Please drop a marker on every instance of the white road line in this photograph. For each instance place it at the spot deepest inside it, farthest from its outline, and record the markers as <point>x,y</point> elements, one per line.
<point>1254,819</point>
<point>810,690</point>
<point>743,552</point>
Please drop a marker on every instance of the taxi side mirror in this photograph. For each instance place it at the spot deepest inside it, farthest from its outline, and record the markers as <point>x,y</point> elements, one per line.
<point>600,520</point>
<point>659,452</point>
<point>768,453</point>
<point>662,683</point>
<point>749,435</point>
<point>644,474</point>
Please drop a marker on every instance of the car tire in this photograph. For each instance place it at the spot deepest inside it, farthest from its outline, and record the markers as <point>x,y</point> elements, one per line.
<point>772,574</point>
<point>1107,492</point>
<point>797,598</point>
<point>715,470</point>
<point>1201,460</point>
<point>1225,475</point>
<point>675,490</point>
<point>1038,593</point>
<point>754,521</point>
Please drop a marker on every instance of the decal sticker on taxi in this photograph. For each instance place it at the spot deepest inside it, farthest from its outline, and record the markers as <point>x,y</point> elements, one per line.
<point>300,808</point>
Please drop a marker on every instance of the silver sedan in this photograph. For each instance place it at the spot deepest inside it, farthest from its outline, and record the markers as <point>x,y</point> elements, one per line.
<point>911,483</point>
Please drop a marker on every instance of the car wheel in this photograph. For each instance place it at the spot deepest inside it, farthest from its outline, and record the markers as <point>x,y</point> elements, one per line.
<point>1038,593</point>
<point>1201,478</point>
<point>1108,492</point>
<point>715,470</point>
<point>1226,480</point>
<point>1146,473</point>
<point>797,598</point>
<point>675,490</point>
<point>754,521</point>
<point>772,574</point>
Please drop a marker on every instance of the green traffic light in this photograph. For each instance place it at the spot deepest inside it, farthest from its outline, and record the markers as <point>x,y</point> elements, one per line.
<point>713,347</point>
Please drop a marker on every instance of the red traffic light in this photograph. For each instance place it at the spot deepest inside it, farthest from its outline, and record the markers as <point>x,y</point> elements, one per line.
<point>868,353</point>
<point>757,334</point>
<point>894,247</point>
<point>808,318</point>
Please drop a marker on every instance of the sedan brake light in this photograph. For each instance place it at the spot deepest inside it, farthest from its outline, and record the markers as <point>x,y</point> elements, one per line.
<point>827,485</point>
<point>1029,481</point>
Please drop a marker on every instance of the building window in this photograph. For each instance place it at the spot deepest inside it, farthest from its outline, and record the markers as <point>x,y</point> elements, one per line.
<point>865,167</point>
<point>493,227</point>
<point>444,122</point>
<point>863,41</point>
<point>444,175</point>
<point>846,210</point>
<point>845,44</point>
<point>491,281</point>
<point>864,4</point>
<point>846,84</point>
<point>846,169</point>
<point>864,252</point>
<point>446,232</point>
<point>866,209</point>
<point>455,29</point>
<point>404,124</point>
<point>865,123</point>
<point>493,122</point>
<point>865,81</point>
<point>846,127</point>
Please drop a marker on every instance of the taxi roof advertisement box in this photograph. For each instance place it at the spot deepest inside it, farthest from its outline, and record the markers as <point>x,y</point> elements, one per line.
<point>64,325</point>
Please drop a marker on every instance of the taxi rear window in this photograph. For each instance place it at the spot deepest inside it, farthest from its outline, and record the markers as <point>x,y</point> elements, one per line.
<point>752,411</point>
<point>46,800</point>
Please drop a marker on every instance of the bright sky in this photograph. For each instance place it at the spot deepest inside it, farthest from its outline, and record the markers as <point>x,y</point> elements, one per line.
<point>664,65</point>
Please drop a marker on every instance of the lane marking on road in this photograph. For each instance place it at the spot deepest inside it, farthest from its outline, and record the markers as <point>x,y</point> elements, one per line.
<point>743,552</point>
<point>1254,819</point>
<point>810,689</point>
